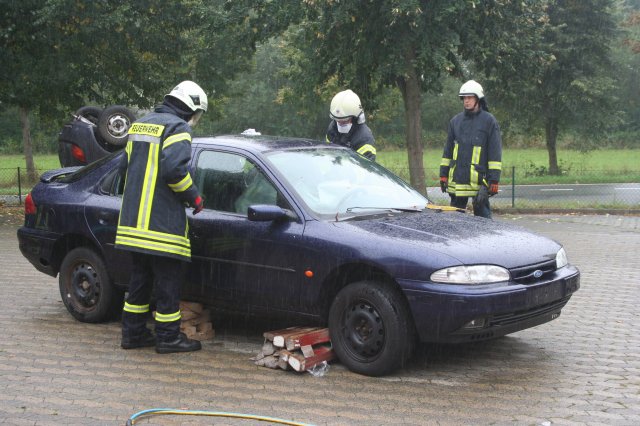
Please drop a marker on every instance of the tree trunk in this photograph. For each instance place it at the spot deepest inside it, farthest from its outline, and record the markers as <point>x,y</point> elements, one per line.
<point>412,96</point>
<point>551,130</point>
<point>26,142</point>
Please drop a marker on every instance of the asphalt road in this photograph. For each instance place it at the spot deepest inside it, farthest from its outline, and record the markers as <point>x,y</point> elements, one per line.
<point>582,368</point>
<point>621,194</point>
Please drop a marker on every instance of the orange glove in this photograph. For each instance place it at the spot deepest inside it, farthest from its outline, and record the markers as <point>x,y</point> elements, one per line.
<point>493,188</point>
<point>444,183</point>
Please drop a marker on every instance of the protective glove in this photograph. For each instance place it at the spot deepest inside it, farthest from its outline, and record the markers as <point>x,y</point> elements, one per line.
<point>444,183</point>
<point>493,188</point>
<point>198,205</point>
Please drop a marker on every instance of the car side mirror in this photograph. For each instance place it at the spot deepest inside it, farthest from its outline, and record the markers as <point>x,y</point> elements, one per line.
<point>267,213</point>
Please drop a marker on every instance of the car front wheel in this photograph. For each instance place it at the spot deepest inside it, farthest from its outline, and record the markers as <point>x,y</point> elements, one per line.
<point>371,329</point>
<point>86,289</point>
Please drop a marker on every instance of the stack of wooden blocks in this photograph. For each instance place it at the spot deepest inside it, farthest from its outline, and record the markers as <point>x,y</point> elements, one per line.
<point>196,321</point>
<point>297,348</point>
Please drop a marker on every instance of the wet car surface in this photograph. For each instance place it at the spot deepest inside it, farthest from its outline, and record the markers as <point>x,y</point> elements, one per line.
<point>301,229</point>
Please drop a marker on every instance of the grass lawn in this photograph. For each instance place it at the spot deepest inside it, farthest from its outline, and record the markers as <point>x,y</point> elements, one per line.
<point>42,162</point>
<point>531,165</point>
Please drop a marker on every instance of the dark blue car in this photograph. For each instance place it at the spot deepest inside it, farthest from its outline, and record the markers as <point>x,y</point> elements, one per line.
<point>305,229</point>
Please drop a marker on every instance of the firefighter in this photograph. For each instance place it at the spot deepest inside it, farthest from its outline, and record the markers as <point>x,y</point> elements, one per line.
<point>472,158</point>
<point>153,223</point>
<point>347,126</point>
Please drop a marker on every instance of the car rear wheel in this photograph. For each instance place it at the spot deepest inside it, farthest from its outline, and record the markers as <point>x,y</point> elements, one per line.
<point>371,328</point>
<point>114,123</point>
<point>86,289</point>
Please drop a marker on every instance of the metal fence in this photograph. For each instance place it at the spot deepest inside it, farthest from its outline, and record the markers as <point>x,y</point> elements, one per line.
<point>15,185</point>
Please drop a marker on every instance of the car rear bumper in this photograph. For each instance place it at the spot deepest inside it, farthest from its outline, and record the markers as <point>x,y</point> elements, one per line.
<point>37,247</point>
<point>443,313</point>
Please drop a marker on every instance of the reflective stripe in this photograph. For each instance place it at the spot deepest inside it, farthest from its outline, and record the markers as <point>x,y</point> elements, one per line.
<point>455,151</point>
<point>148,188</point>
<point>326,138</point>
<point>495,165</point>
<point>153,245</point>
<point>155,235</point>
<point>473,173</point>
<point>135,309</point>
<point>144,138</point>
<point>168,317</point>
<point>176,138</point>
<point>183,185</point>
<point>465,190</point>
<point>366,148</point>
<point>445,162</point>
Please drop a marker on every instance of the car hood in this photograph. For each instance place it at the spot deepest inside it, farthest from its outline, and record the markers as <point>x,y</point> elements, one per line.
<point>469,239</point>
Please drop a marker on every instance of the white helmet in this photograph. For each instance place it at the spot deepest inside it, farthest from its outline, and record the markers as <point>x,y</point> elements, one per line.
<point>470,88</point>
<point>344,105</point>
<point>191,95</point>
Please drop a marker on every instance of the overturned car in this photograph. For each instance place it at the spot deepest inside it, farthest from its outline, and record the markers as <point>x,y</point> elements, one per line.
<point>93,133</point>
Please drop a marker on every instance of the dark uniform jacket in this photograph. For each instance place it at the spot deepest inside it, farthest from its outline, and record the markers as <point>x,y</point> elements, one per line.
<point>157,186</point>
<point>359,138</point>
<point>472,154</point>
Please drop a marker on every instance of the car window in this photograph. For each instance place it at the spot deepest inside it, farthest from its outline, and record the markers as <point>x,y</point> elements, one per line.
<point>113,183</point>
<point>231,183</point>
<point>332,181</point>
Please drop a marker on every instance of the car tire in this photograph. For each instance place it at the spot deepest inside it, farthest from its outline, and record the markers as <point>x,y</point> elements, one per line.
<point>371,329</point>
<point>91,113</point>
<point>86,289</point>
<point>114,123</point>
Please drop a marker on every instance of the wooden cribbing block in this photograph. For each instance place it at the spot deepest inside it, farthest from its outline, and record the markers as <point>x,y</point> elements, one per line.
<point>278,336</point>
<point>321,353</point>
<point>313,337</point>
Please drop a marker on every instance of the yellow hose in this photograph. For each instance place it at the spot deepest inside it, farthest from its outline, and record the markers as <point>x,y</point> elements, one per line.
<point>170,411</point>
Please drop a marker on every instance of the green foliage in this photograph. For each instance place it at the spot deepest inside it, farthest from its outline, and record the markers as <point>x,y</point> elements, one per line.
<point>571,85</point>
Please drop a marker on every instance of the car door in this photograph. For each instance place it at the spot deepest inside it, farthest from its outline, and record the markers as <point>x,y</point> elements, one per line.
<point>102,210</point>
<point>240,262</point>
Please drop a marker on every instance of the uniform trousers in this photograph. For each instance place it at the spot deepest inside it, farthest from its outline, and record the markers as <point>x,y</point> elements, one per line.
<point>166,275</point>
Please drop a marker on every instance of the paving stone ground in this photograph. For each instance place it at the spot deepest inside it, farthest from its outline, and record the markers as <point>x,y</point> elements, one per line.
<point>583,368</point>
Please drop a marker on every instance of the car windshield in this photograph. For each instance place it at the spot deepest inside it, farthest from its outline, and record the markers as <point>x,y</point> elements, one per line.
<point>333,181</point>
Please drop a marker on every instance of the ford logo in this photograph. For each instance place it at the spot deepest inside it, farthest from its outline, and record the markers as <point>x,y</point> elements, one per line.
<point>537,273</point>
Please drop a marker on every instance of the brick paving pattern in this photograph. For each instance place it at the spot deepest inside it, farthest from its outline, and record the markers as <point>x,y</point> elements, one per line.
<point>583,368</point>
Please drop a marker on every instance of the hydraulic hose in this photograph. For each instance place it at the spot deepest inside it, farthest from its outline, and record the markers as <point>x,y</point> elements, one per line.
<point>171,411</point>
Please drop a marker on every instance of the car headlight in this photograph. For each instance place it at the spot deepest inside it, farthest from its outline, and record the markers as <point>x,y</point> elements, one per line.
<point>474,274</point>
<point>561,259</point>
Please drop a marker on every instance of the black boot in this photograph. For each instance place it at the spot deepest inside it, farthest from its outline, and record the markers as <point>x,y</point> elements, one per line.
<point>144,340</point>
<point>180,344</point>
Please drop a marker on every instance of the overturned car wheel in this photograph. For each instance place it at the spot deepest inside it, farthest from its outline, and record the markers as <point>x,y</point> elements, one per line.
<point>114,123</point>
<point>91,113</point>
<point>371,329</point>
<point>86,289</point>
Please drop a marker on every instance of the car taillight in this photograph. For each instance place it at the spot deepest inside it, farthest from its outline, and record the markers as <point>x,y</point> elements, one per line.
<point>78,153</point>
<point>29,205</point>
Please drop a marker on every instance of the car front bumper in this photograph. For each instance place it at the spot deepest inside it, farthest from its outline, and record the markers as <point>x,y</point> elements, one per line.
<point>456,313</point>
